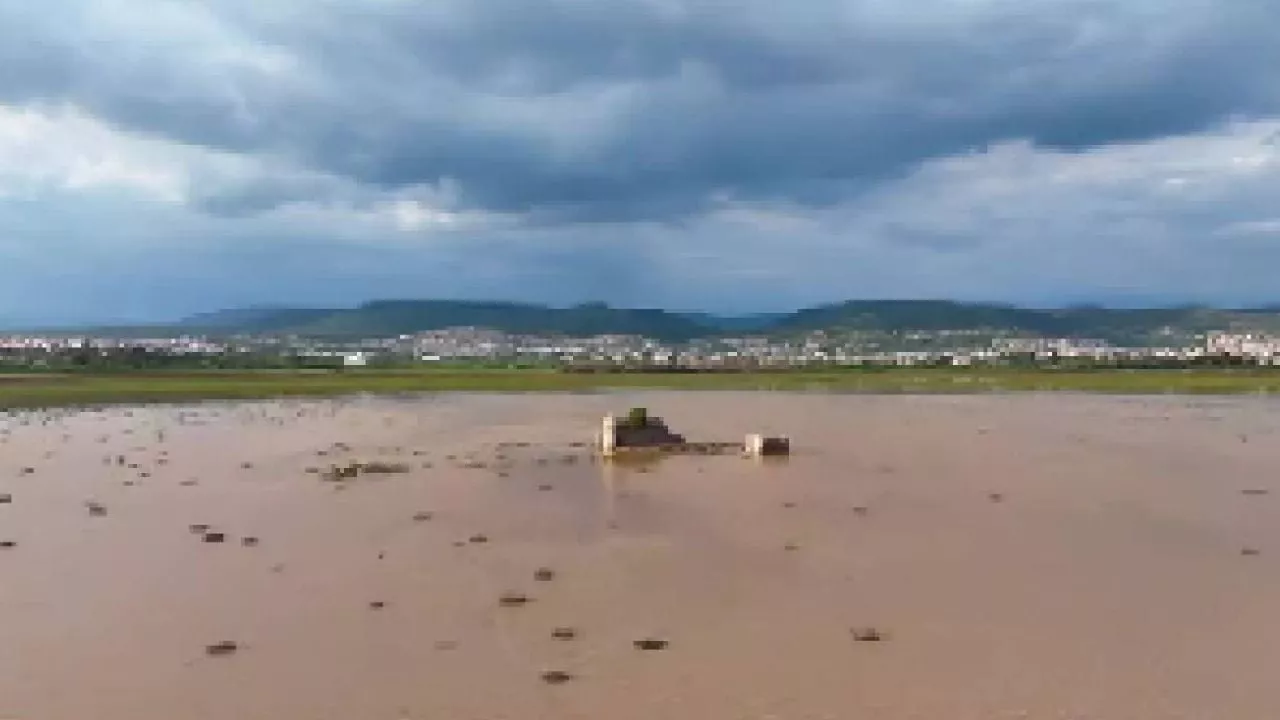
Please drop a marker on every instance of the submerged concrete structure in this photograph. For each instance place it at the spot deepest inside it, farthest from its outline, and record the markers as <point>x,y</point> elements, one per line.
<point>638,432</point>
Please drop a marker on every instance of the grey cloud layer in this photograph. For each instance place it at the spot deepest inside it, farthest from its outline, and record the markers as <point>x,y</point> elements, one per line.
<point>643,109</point>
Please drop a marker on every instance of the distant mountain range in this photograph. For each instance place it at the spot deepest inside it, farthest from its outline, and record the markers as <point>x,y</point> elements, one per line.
<point>398,317</point>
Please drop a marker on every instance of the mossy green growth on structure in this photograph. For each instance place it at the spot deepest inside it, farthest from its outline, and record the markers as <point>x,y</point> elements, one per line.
<point>637,417</point>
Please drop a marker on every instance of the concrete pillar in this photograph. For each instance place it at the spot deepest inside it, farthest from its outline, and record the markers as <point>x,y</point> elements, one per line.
<point>608,435</point>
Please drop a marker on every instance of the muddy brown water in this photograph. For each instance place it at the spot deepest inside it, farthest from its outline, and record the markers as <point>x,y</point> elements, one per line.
<point>1109,581</point>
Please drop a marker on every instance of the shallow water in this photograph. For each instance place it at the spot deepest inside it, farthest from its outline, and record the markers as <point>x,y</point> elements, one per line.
<point>1022,556</point>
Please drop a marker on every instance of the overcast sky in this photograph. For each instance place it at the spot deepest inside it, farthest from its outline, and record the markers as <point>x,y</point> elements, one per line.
<point>159,158</point>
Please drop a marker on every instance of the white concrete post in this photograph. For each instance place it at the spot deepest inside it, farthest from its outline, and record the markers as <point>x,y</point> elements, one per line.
<point>608,435</point>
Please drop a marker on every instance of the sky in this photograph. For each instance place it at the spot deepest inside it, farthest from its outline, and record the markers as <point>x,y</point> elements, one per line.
<point>165,157</point>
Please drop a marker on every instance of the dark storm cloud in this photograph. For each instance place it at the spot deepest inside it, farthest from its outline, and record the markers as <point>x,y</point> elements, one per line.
<point>631,110</point>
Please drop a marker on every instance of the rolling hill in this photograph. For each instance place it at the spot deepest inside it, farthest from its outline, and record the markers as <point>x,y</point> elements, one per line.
<point>385,318</point>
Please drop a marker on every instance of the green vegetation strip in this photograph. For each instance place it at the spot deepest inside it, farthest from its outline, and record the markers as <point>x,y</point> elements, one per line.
<point>29,391</point>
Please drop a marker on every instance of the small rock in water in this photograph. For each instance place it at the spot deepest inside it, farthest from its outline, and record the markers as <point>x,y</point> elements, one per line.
<point>650,644</point>
<point>544,574</point>
<point>198,528</point>
<point>861,510</point>
<point>421,516</point>
<point>96,509</point>
<point>215,537</point>
<point>564,633</point>
<point>513,599</point>
<point>995,497</point>
<point>1250,552</point>
<point>5,498</point>
<point>377,605</point>
<point>1255,491</point>
<point>867,634</point>
<point>7,544</point>
<point>478,539</point>
<point>556,677</point>
<point>249,541</point>
<point>544,487</point>
<point>223,648</point>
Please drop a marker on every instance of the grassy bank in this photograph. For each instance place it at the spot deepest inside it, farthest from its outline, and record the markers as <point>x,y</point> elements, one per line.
<point>26,391</point>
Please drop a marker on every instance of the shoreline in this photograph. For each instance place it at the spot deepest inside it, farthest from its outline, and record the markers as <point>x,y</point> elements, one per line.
<point>35,391</point>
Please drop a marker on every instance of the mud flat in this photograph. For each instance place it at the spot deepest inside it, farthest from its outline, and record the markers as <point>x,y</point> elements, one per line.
<point>959,557</point>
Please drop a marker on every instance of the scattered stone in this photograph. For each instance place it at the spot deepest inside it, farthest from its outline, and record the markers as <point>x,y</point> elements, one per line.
<point>564,633</point>
<point>861,510</point>
<point>791,547</point>
<point>249,541</point>
<point>188,483</point>
<point>28,471</point>
<point>422,516</point>
<point>1250,552</point>
<point>7,544</point>
<point>513,599</point>
<point>995,497</point>
<point>215,537</point>
<point>867,634</point>
<point>556,677</point>
<point>377,605</point>
<point>246,465</point>
<point>96,509</point>
<point>545,487</point>
<point>5,498</point>
<point>198,528</point>
<point>478,539</point>
<point>129,483</point>
<point>789,505</point>
<point>446,645</point>
<point>544,574</point>
<point>221,649</point>
<point>650,644</point>
<point>1255,491</point>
